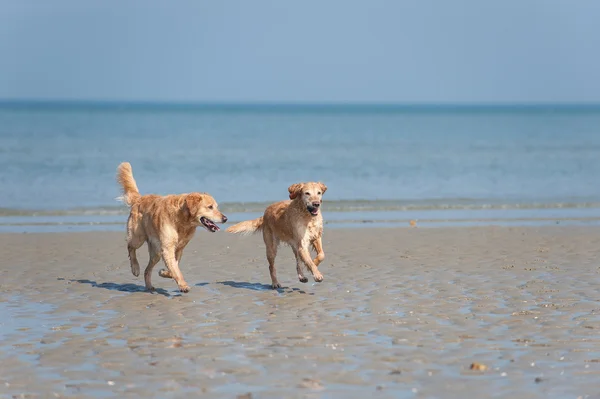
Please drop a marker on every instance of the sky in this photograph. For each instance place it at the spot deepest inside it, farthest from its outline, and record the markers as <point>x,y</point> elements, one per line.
<point>395,51</point>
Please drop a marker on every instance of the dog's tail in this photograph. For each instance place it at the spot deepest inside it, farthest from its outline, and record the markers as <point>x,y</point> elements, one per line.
<point>131,194</point>
<point>247,227</point>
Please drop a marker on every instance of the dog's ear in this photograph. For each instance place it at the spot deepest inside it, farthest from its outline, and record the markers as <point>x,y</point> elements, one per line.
<point>323,187</point>
<point>192,202</point>
<point>295,190</point>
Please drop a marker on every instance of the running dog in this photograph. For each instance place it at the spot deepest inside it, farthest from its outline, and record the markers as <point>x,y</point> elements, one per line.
<point>297,222</point>
<point>166,224</point>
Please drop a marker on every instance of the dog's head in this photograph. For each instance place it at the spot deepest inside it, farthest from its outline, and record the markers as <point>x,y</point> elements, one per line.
<point>311,195</point>
<point>204,211</point>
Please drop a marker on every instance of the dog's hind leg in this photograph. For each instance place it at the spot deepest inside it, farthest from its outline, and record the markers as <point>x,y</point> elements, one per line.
<point>154,258</point>
<point>271,244</point>
<point>135,239</point>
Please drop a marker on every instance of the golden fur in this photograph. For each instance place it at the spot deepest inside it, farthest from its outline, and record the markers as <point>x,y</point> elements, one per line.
<point>297,222</point>
<point>166,224</point>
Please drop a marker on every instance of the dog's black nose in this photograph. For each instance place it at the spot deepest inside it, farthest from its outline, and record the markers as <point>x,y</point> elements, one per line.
<point>224,220</point>
<point>316,204</point>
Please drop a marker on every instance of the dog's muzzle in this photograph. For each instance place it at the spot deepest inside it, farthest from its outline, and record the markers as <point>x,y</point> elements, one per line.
<point>313,209</point>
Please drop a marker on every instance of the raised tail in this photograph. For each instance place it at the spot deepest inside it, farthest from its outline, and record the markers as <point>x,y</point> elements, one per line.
<point>131,194</point>
<point>247,227</point>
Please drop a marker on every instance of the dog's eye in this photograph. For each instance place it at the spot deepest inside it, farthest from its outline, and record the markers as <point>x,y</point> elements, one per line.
<point>319,193</point>
<point>210,207</point>
<point>307,193</point>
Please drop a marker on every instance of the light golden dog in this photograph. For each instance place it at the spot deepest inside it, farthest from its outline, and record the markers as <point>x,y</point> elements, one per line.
<point>297,222</point>
<point>166,223</point>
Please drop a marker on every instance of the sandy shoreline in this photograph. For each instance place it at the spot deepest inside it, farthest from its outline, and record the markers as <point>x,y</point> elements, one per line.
<point>401,313</point>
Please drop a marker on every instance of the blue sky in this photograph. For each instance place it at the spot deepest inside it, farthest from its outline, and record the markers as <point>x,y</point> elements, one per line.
<point>421,51</point>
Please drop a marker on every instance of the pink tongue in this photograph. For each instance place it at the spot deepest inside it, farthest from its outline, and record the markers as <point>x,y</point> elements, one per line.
<point>211,225</point>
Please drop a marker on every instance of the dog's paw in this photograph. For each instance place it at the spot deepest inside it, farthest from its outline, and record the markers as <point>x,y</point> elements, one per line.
<point>302,278</point>
<point>318,277</point>
<point>150,289</point>
<point>184,288</point>
<point>165,273</point>
<point>275,286</point>
<point>135,269</point>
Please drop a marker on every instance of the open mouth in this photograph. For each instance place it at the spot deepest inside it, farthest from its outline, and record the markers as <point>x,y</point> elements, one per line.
<point>209,224</point>
<point>312,210</point>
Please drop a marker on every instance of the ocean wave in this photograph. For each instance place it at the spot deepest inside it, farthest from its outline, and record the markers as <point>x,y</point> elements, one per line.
<point>330,206</point>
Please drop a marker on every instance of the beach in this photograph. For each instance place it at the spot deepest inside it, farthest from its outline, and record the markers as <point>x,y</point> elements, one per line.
<point>401,313</point>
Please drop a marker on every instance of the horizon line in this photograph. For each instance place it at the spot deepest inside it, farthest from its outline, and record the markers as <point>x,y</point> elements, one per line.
<point>103,103</point>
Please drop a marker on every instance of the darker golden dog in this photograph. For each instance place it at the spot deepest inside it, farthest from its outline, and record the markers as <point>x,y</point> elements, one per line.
<point>166,224</point>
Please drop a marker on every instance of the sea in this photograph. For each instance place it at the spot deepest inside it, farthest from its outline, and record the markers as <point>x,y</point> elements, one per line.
<point>384,165</point>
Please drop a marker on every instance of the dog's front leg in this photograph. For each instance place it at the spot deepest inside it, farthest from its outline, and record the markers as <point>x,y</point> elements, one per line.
<point>305,256</point>
<point>168,254</point>
<point>301,276</point>
<point>165,273</point>
<point>318,245</point>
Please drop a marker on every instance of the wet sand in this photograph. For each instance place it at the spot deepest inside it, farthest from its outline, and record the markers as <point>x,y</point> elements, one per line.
<point>402,313</point>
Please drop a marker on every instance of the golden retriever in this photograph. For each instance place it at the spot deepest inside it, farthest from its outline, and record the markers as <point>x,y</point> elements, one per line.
<point>166,223</point>
<point>297,222</point>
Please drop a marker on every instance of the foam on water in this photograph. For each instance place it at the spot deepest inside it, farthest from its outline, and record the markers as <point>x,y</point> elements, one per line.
<point>514,216</point>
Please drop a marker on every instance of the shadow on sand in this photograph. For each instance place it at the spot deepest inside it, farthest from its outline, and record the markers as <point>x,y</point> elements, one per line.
<point>260,287</point>
<point>130,287</point>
